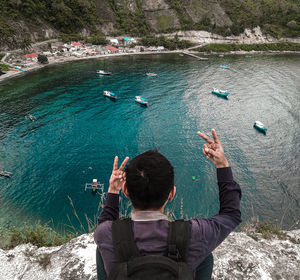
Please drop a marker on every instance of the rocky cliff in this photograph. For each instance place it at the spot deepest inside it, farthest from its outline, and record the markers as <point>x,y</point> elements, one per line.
<point>238,257</point>
<point>28,21</point>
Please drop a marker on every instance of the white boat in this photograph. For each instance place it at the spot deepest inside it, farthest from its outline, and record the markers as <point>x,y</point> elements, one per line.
<point>109,94</point>
<point>102,72</point>
<point>151,74</point>
<point>260,126</point>
<point>141,100</point>
<point>222,93</point>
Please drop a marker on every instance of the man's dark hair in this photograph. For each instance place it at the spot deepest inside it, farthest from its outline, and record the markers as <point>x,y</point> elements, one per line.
<point>149,180</point>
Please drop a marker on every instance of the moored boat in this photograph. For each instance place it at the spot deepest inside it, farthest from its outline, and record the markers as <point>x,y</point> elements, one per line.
<point>224,66</point>
<point>222,93</point>
<point>260,126</point>
<point>109,94</point>
<point>141,100</point>
<point>151,74</point>
<point>102,72</point>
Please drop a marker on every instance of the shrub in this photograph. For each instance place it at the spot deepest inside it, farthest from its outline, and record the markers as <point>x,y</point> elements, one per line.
<point>42,59</point>
<point>281,46</point>
<point>39,235</point>
<point>4,67</point>
<point>97,40</point>
<point>170,44</point>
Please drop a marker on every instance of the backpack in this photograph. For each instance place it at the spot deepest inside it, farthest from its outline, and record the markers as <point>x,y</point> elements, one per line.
<point>133,265</point>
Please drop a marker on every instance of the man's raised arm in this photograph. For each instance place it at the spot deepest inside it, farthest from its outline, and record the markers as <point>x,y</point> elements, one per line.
<point>215,229</point>
<point>110,211</point>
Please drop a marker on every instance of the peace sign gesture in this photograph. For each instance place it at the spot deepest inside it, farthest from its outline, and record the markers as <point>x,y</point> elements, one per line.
<point>117,179</point>
<point>214,150</point>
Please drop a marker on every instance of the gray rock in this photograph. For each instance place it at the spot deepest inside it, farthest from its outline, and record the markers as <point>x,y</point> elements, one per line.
<point>238,257</point>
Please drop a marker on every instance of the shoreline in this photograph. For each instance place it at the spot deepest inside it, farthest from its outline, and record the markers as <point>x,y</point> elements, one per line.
<point>52,62</point>
<point>14,74</point>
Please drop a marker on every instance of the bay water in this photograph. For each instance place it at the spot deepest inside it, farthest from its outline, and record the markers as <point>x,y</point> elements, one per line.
<point>77,133</point>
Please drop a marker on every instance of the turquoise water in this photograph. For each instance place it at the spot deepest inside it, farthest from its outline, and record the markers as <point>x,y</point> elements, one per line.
<point>77,128</point>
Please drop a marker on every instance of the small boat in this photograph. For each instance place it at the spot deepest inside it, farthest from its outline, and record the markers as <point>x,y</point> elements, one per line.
<point>151,74</point>
<point>260,126</point>
<point>222,93</point>
<point>141,100</point>
<point>109,94</point>
<point>102,72</point>
<point>224,66</point>
<point>5,174</point>
<point>31,117</point>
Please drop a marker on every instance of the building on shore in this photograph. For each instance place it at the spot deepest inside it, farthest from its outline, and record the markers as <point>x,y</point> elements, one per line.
<point>112,49</point>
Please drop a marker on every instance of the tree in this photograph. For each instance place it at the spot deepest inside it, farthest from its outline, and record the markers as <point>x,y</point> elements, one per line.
<point>42,59</point>
<point>25,44</point>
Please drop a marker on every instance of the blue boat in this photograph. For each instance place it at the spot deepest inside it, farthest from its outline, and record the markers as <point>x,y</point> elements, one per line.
<point>141,100</point>
<point>109,94</point>
<point>260,127</point>
<point>224,66</point>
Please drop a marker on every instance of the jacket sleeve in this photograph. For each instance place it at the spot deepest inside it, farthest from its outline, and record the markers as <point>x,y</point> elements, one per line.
<point>110,211</point>
<point>214,230</point>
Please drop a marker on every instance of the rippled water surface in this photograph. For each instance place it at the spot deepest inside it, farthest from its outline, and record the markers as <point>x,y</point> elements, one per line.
<point>77,128</point>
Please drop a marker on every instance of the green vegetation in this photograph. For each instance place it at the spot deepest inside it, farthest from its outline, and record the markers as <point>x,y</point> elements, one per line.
<point>39,235</point>
<point>184,19</point>
<point>4,67</point>
<point>267,230</point>
<point>279,18</point>
<point>165,23</point>
<point>128,21</point>
<point>282,46</point>
<point>97,40</point>
<point>42,59</point>
<point>67,16</point>
<point>274,16</point>
<point>66,38</point>
<point>170,44</point>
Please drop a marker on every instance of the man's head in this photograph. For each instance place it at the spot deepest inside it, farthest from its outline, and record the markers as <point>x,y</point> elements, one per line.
<point>149,180</point>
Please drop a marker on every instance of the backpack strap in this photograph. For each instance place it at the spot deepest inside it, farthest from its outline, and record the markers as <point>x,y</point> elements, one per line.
<point>123,240</point>
<point>179,240</point>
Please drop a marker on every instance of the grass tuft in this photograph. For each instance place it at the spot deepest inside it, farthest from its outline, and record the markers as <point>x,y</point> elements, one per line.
<point>38,235</point>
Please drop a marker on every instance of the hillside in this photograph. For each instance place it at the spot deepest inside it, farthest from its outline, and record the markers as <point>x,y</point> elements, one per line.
<point>25,21</point>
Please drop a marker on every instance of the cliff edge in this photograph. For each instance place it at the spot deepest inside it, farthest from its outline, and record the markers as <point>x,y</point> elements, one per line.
<point>238,257</point>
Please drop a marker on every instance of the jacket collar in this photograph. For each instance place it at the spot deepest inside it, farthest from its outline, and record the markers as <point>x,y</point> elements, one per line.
<point>142,216</point>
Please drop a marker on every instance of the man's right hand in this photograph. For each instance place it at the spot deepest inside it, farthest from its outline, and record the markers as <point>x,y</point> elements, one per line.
<point>214,150</point>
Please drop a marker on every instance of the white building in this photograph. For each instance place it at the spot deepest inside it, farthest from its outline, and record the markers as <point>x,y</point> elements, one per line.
<point>114,42</point>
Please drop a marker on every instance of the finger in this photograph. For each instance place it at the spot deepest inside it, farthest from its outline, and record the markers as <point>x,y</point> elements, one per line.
<point>115,167</point>
<point>210,152</point>
<point>205,146</point>
<point>204,153</point>
<point>214,134</point>
<point>205,137</point>
<point>123,163</point>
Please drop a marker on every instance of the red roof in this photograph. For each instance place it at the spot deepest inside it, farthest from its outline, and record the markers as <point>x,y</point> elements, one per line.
<point>30,55</point>
<point>111,48</point>
<point>76,44</point>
